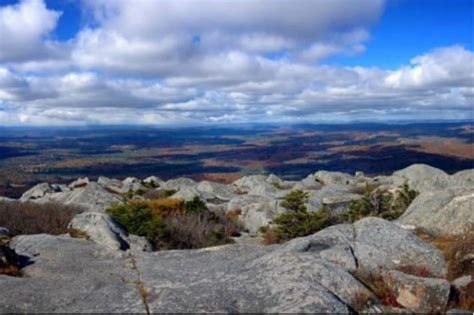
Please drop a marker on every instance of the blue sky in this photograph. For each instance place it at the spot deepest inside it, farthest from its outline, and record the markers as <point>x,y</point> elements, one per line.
<point>412,27</point>
<point>158,62</point>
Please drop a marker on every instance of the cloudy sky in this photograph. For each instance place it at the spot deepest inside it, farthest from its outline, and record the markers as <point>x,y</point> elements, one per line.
<point>161,62</point>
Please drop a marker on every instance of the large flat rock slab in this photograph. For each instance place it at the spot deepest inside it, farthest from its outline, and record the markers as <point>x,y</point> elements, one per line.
<point>70,275</point>
<point>245,278</point>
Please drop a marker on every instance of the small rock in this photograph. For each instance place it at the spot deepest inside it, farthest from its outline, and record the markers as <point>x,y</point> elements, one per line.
<point>462,282</point>
<point>422,177</point>
<point>153,181</point>
<point>383,244</point>
<point>418,294</point>
<point>78,183</point>
<point>458,311</point>
<point>37,192</point>
<point>92,197</point>
<point>138,243</point>
<point>444,212</point>
<point>178,183</point>
<point>101,229</point>
<point>6,199</point>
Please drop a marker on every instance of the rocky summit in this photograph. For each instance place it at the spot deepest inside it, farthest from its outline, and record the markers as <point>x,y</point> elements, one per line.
<point>369,264</point>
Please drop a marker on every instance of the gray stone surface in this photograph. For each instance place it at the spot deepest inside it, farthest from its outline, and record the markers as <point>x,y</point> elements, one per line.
<point>70,275</point>
<point>153,180</point>
<point>258,185</point>
<point>422,177</point>
<point>463,178</point>
<point>326,178</point>
<point>92,197</point>
<point>80,182</point>
<point>333,244</point>
<point>6,199</point>
<point>37,192</point>
<point>335,197</point>
<point>111,185</point>
<point>245,279</point>
<point>418,294</point>
<point>216,190</point>
<point>383,244</point>
<point>178,183</point>
<point>101,229</point>
<point>256,211</point>
<point>112,272</point>
<point>444,212</point>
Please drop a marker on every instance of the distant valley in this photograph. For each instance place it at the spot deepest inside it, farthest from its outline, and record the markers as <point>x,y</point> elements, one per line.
<point>29,156</point>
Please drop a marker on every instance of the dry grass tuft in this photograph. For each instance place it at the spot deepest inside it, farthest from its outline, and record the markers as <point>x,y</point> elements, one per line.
<point>33,218</point>
<point>459,254</point>
<point>378,285</point>
<point>419,271</point>
<point>458,251</point>
<point>162,207</point>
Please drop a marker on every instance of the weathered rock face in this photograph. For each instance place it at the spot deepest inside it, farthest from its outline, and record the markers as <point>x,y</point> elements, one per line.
<point>112,185</point>
<point>447,212</point>
<point>101,229</point>
<point>463,178</point>
<point>207,191</point>
<point>256,211</point>
<point>335,197</point>
<point>6,199</point>
<point>246,279</point>
<point>373,245</point>
<point>70,275</point>
<point>112,272</point>
<point>311,274</point>
<point>259,185</point>
<point>423,177</point>
<point>225,279</point>
<point>80,182</point>
<point>418,294</point>
<point>37,192</point>
<point>326,178</point>
<point>216,191</point>
<point>334,244</point>
<point>154,181</point>
<point>383,244</point>
<point>92,197</point>
<point>178,183</point>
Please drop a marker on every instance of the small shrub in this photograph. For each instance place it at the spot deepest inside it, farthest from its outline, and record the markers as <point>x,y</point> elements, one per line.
<point>195,206</point>
<point>403,198</point>
<point>173,224</point>
<point>295,201</point>
<point>378,285</point>
<point>380,203</point>
<point>138,219</point>
<point>465,297</point>
<point>277,185</point>
<point>234,215</point>
<point>290,225</point>
<point>132,193</point>
<point>162,207</point>
<point>457,251</point>
<point>33,218</point>
<point>151,184</point>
